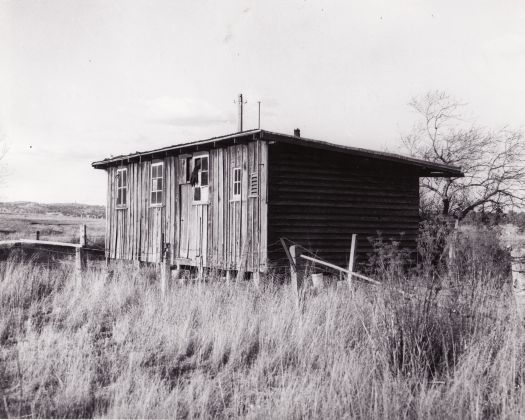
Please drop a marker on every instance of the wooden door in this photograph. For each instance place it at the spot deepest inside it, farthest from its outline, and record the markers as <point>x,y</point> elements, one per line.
<point>193,233</point>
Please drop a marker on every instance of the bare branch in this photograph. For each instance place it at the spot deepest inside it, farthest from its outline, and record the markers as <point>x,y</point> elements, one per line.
<point>493,162</point>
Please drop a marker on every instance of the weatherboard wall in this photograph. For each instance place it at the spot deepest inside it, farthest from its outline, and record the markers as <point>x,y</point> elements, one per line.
<point>222,233</point>
<point>318,198</point>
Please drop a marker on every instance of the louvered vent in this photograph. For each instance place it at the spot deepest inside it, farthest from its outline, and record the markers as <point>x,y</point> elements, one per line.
<point>254,184</point>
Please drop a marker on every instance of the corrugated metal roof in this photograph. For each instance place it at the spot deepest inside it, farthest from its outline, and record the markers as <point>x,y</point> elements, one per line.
<point>431,169</point>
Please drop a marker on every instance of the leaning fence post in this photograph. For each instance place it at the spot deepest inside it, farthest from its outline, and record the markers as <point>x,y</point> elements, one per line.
<point>165,270</point>
<point>351,261</point>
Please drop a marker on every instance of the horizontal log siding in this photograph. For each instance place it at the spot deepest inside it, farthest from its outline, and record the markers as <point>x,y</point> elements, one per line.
<point>319,198</point>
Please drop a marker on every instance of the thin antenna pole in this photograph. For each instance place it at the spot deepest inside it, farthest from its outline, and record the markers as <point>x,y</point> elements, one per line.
<point>259,118</point>
<point>240,111</point>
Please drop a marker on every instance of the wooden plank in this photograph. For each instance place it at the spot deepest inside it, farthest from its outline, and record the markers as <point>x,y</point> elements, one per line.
<point>263,205</point>
<point>244,199</point>
<point>12,242</point>
<point>173,209</point>
<point>146,229</point>
<point>221,255</point>
<point>243,261</point>
<point>107,232</point>
<point>177,215</point>
<point>214,208</point>
<point>352,259</point>
<point>343,270</point>
<point>250,153</point>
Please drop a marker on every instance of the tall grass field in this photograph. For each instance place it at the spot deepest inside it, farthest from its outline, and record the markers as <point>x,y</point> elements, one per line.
<point>450,346</point>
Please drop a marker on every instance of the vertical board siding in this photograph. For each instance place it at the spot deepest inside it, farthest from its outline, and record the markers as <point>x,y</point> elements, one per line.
<point>319,198</point>
<point>221,233</point>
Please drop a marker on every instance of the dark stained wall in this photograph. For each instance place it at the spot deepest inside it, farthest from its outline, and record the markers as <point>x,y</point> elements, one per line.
<point>319,198</point>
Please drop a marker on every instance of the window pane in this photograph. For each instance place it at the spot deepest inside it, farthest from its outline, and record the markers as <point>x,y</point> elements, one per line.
<point>153,198</point>
<point>204,178</point>
<point>159,184</point>
<point>204,163</point>
<point>188,169</point>
<point>124,177</point>
<point>153,171</point>
<point>124,196</point>
<point>196,194</point>
<point>159,197</point>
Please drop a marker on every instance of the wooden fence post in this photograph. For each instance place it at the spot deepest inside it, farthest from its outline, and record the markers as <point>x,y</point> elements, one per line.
<point>518,280</point>
<point>82,235</point>
<point>165,270</point>
<point>296,275</point>
<point>452,247</point>
<point>80,255</point>
<point>352,259</point>
<point>37,235</point>
<point>80,263</point>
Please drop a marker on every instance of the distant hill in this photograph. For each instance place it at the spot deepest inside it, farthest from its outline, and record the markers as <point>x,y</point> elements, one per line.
<point>59,209</point>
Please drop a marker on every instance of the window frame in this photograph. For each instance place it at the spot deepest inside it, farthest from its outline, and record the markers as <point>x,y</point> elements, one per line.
<point>204,189</point>
<point>156,190</point>
<point>236,196</point>
<point>121,205</point>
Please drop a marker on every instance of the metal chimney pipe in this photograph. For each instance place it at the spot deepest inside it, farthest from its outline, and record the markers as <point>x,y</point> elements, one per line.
<point>297,132</point>
<point>240,111</point>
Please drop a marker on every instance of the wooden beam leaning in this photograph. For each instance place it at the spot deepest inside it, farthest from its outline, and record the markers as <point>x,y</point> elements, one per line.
<point>344,270</point>
<point>352,259</point>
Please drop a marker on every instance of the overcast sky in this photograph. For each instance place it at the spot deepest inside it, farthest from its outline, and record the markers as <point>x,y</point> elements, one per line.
<point>82,80</point>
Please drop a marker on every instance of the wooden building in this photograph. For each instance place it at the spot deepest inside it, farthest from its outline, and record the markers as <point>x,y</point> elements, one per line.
<point>227,201</point>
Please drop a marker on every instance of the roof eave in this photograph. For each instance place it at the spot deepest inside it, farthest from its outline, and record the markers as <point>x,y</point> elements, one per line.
<point>103,164</point>
<point>427,169</point>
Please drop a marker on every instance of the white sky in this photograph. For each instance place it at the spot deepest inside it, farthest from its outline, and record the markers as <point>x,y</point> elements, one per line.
<point>81,80</point>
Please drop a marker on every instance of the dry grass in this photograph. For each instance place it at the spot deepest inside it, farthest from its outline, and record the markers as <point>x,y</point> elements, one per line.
<point>111,347</point>
<point>57,228</point>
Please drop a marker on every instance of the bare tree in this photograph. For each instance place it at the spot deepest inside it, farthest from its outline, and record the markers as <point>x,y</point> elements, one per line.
<point>493,161</point>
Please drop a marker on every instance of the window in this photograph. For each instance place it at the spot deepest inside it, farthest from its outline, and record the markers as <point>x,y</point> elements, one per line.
<point>122,187</point>
<point>157,175</point>
<point>236,183</point>
<point>199,179</point>
<point>184,169</point>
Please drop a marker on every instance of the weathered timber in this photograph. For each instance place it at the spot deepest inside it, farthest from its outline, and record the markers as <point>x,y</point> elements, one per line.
<point>314,193</point>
